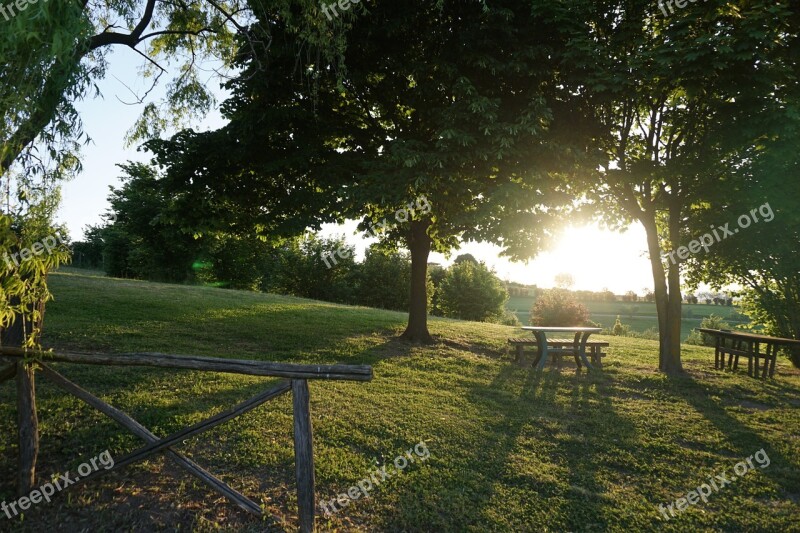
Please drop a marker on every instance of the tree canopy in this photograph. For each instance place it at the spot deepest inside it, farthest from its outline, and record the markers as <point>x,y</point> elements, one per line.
<point>462,103</point>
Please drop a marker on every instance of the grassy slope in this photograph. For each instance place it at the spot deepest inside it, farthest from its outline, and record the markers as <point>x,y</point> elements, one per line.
<point>511,450</point>
<point>639,316</point>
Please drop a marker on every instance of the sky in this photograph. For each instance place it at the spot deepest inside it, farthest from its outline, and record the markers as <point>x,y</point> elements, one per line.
<point>596,258</point>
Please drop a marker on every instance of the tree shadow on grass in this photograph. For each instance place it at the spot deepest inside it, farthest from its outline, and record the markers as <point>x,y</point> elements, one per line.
<point>741,441</point>
<point>537,463</point>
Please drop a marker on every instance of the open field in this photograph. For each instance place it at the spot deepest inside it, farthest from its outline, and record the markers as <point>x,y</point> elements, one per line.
<point>640,315</point>
<point>511,450</point>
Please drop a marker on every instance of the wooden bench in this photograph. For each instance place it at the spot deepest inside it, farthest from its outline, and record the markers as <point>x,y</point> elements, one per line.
<point>594,349</point>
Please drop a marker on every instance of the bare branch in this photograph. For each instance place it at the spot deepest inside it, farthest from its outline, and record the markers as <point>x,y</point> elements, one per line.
<point>132,39</point>
<point>176,32</point>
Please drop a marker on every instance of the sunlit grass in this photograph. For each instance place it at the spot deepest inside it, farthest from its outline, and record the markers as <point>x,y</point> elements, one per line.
<point>511,450</point>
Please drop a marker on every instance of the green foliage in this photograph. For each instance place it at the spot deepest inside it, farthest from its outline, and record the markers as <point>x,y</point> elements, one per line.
<point>762,258</point>
<point>465,257</point>
<point>300,270</point>
<point>507,318</point>
<point>453,101</point>
<point>233,261</point>
<point>710,322</point>
<point>384,280</point>
<point>775,310</point>
<point>470,291</point>
<point>42,76</point>
<point>436,274</point>
<point>88,253</point>
<point>618,328</point>
<point>145,241</point>
<point>23,274</point>
<point>558,307</point>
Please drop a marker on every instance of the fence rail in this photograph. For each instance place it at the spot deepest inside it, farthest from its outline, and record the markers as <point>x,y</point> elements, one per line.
<point>296,376</point>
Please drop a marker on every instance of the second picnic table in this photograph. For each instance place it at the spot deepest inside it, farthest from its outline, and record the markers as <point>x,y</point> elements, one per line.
<point>747,345</point>
<point>578,349</point>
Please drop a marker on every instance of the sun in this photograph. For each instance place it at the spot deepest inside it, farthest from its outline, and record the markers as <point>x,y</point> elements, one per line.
<point>596,258</point>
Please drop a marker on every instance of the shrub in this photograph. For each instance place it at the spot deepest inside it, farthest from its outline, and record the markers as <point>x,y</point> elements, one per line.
<point>384,280</point>
<point>649,333</point>
<point>436,275</point>
<point>508,318</point>
<point>619,329</point>
<point>470,291</point>
<point>703,339</point>
<point>558,307</point>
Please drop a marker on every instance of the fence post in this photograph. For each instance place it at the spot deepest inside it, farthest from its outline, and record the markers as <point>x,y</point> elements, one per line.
<point>303,455</point>
<point>28,428</point>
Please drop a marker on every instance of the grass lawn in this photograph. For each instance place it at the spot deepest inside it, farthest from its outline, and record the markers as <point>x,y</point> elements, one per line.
<point>510,449</point>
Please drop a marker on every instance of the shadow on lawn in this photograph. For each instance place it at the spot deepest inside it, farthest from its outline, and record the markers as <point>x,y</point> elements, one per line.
<point>743,440</point>
<point>543,426</point>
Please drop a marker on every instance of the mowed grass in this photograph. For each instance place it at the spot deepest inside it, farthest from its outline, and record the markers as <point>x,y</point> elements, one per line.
<point>511,449</point>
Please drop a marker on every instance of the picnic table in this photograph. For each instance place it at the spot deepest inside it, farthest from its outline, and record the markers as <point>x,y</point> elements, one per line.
<point>752,350</point>
<point>578,348</point>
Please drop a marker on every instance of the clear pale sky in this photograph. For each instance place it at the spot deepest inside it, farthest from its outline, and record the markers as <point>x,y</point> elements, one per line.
<point>606,259</point>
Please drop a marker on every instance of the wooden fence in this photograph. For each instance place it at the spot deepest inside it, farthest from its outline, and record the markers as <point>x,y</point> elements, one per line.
<point>21,366</point>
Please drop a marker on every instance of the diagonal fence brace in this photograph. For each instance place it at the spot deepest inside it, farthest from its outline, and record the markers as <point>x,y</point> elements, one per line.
<point>145,434</point>
<point>205,425</point>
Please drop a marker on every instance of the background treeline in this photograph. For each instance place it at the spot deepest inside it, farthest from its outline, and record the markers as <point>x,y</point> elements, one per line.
<point>605,295</point>
<point>148,239</point>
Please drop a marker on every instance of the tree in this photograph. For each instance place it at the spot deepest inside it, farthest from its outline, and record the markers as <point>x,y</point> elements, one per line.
<point>682,103</point>
<point>146,241</point>
<point>565,280</point>
<point>470,291</point>
<point>73,40</point>
<point>456,103</point>
<point>465,257</point>
<point>300,270</point>
<point>763,257</point>
<point>88,253</point>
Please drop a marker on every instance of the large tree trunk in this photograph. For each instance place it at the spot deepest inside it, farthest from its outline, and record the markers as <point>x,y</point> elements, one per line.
<point>669,322</point>
<point>672,360</point>
<point>419,243</point>
<point>659,289</point>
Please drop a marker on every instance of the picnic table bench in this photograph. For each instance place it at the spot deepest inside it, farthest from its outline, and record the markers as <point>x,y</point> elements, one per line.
<point>594,349</point>
<point>748,345</point>
<point>560,346</point>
